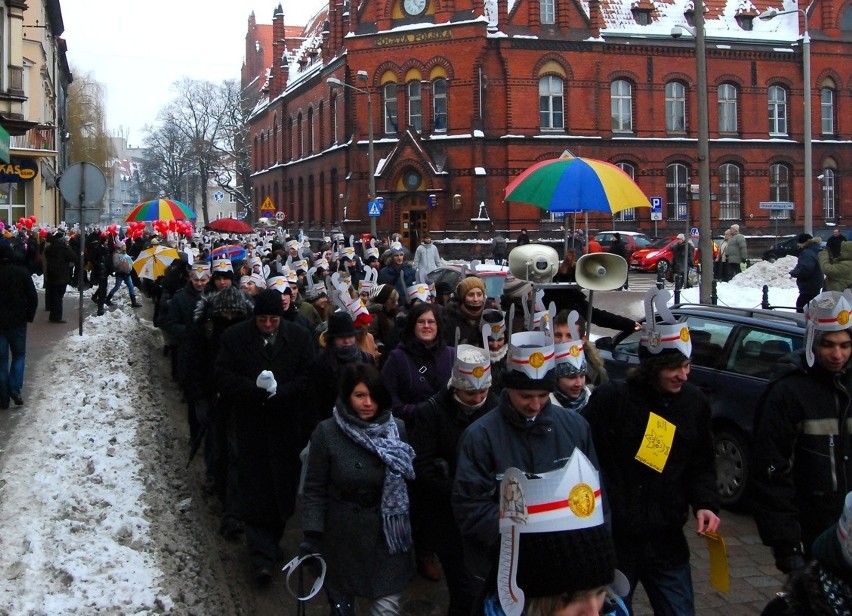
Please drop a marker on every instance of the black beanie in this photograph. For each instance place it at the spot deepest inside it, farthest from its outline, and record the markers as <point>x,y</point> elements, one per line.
<point>229,299</point>
<point>514,379</point>
<point>565,562</point>
<point>268,303</point>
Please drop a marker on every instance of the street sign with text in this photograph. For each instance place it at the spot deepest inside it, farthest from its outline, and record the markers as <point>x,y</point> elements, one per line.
<point>777,205</point>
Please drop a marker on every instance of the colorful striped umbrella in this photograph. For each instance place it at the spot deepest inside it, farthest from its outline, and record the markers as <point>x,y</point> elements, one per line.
<point>160,209</point>
<point>228,251</point>
<point>573,184</point>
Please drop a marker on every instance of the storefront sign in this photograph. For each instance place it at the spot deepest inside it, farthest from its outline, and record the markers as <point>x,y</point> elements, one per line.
<point>18,169</point>
<point>408,38</point>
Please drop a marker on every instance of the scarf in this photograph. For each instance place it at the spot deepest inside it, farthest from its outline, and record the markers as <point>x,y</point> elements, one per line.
<point>575,404</point>
<point>347,354</point>
<point>468,409</point>
<point>382,439</point>
<point>837,591</point>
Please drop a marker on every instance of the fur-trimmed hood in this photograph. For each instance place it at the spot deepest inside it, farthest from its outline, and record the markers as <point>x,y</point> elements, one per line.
<point>229,299</point>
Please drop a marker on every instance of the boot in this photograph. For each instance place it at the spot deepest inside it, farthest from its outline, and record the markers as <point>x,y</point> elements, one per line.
<point>134,303</point>
<point>108,300</point>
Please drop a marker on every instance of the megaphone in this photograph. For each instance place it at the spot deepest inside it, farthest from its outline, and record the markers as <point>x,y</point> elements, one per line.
<point>534,262</point>
<point>601,271</point>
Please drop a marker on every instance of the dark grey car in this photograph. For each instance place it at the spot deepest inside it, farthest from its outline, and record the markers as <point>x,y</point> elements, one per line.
<point>734,351</point>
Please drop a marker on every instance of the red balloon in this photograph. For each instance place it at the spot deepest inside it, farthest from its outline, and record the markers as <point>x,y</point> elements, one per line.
<point>42,232</point>
<point>19,225</point>
<point>33,217</point>
<point>28,223</point>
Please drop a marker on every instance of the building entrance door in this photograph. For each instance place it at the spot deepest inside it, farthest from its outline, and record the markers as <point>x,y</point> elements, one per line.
<point>413,224</point>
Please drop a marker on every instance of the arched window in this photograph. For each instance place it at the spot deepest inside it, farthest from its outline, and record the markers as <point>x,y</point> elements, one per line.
<point>777,113</point>
<point>275,152</point>
<point>335,126</point>
<point>415,106</point>
<point>730,192</point>
<point>727,95</point>
<point>390,109</point>
<point>311,130</point>
<point>677,191</point>
<point>439,105</point>
<point>630,213</point>
<point>300,129</point>
<point>675,107</point>
<point>621,106</point>
<point>550,103</point>
<point>779,188</point>
<point>828,194</point>
<point>290,137</point>
<point>826,107</point>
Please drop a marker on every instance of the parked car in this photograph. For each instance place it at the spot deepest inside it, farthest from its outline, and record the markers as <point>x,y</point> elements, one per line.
<point>734,351</point>
<point>658,256</point>
<point>789,246</point>
<point>632,240</point>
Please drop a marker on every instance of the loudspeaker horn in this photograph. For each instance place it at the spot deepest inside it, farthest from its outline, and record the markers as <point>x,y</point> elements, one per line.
<point>534,262</point>
<point>601,271</point>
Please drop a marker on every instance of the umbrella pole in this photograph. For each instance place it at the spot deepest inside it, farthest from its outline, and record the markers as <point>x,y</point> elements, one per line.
<point>588,237</point>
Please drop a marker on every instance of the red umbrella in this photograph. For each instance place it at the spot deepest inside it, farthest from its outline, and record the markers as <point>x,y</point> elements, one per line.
<point>230,225</point>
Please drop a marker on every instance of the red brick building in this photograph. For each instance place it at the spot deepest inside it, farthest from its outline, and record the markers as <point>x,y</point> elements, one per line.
<point>465,95</point>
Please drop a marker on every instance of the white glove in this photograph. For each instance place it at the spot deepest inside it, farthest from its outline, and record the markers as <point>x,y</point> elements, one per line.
<point>266,380</point>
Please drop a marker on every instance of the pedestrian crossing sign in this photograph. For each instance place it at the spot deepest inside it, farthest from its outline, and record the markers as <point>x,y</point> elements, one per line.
<point>374,209</point>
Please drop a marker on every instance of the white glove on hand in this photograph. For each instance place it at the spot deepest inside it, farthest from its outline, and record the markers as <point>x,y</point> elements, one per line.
<point>266,380</point>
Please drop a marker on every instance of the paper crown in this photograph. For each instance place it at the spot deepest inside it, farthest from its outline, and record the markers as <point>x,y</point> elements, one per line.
<point>531,353</point>
<point>471,369</point>
<point>199,270</point>
<point>347,252</point>
<point>495,320</point>
<point>567,499</point>
<point>293,245</point>
<point>667,335</point>
<point>321,263</point>
<point>569,354</point>
<point>418,291</point>
<point>255,262</point>
<point>300,265</point>
<point>258,280</point>
<point>277,283</point>
<point>844,530</point>
<point>291,277</point>
<point>371,278</point>
<point>222,265</point>
<point>827,312</point>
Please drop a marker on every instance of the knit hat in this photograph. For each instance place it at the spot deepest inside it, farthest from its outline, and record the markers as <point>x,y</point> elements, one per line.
<point>553,536</point>
<point>229,299</point>
<point>471,369</point>
<point>268,303</point>
<point>735,228</point>
<point>569,355</point>
<point>804,237</point>
<point>381,293</point>
<point>827,312</point>
<point>834,546</point>
<point>396,249</point>
<point>530,362</point>
<point>681,237</point>
<point>669,336</point>
<point>467,284</point>
<point>340,325</point>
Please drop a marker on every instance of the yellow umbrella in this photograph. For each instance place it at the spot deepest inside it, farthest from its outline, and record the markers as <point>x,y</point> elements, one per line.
<point>152,262</point>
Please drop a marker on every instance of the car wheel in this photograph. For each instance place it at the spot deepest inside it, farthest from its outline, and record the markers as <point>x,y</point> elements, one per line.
<point>771,258</point>
<point>662,266</point>
<point>732,466</point>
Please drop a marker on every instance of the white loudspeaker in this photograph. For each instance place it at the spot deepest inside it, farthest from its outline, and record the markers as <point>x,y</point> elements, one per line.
<point>534,262</point>
<point>601,271</point>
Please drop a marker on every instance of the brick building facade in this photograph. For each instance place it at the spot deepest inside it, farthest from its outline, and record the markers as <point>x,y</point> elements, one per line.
<point>465,95</point>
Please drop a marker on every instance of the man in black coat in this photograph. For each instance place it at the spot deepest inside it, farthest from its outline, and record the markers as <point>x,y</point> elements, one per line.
<point>17,308</point>
<point>58,258</point>
<point>267,410</point>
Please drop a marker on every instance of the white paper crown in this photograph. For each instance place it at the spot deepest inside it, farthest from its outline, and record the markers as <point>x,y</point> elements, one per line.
<point>562,500</point>
<point>222,265</point>
<point>531,353</point>
<point>668,333</point>
<point>495,320</point>
<point>293,245</point>
<point>277,283</point>
<point>371,278</point>
<point>301,264</point>
<point>321,263</point>
<point>827,312</point>
<point>199,270</point>
<point>472,367</point>
<point>418,291</point>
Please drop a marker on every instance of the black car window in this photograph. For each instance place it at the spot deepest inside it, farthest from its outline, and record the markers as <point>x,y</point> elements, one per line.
<point>708,340</point>
<point>629,345</point>
<point>756,351</point>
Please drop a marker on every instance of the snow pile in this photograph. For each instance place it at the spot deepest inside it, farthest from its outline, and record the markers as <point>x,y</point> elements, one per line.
<point>765,273</point>
<point>745,290</point>
<point>91,511</point>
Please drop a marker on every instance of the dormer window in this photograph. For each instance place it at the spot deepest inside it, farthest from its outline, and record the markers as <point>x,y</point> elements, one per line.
<point>642,11</point>
<point>745,19</point>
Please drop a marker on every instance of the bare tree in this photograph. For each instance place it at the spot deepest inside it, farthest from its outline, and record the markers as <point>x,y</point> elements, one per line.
<point>167,164</point>
<point>234,176</point>
<point>88,140</point>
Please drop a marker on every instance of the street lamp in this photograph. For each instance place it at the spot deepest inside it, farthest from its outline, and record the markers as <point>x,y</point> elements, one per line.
<point>705,241</point>
<point>336,83</point>
<point>806,73</point>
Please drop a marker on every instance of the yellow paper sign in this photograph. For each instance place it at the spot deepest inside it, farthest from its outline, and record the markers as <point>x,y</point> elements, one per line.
<point>656,443</point>
<point>720,576</point>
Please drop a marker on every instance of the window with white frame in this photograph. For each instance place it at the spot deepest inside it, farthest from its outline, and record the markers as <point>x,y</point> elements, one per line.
<point>727,96</point>
<point>415,106</point>
<point>677,191</point>
<point>550,103</point>
<point>621,106</point>
<point>675,107</point>
<point>826,106</point>
<point>777,112</point>
<point>548,11</point>
<point>390,109</point>
<point>828,194</point>
<point>439,105</point>
<point>629,214</point>
<point>730,192</point>
<point>779,188</point>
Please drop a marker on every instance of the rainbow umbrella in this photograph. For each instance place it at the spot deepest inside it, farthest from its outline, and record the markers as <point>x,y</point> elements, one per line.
<point>573,184</point>
<point>228,251</point>
<point>160,209</point>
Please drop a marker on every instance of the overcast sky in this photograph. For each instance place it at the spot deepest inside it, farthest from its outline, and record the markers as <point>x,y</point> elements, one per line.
<point>139,49</point>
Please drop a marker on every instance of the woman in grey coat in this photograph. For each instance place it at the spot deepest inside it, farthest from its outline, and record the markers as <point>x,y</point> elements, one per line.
<point>355,502</point>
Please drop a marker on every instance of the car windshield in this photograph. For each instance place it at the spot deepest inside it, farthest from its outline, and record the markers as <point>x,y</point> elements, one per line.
<point>661,243</point>
<point>642,241</point>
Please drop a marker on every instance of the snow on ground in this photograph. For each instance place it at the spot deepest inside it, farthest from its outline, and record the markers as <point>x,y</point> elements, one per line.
<point>84,530</point>
<point>745,290</point>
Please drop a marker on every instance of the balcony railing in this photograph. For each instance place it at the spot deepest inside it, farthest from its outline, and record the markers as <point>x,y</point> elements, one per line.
<point>38,138</point>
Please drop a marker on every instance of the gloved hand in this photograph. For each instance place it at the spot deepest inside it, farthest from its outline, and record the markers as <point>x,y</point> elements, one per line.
<point>266,380</point>
<point>789,559</point>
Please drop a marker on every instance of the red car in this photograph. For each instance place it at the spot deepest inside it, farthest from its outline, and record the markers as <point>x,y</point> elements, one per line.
<point>658,257</point>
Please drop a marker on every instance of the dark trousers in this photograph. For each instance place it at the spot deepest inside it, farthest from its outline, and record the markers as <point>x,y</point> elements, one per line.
<point>661,565</point>
<point>53,297</point>
<point>460,584</point>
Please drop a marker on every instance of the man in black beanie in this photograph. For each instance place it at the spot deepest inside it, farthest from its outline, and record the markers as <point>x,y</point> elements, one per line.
<point>261,369</point>
<point>524,431</point>
<point>654,441</point>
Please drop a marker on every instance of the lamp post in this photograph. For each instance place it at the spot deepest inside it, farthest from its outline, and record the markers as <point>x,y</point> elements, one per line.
<point>806,75</point>
<point>371,156</point>
<point>705,243</point>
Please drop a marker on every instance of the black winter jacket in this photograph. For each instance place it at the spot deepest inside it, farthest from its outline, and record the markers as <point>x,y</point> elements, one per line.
<point>20,298</point>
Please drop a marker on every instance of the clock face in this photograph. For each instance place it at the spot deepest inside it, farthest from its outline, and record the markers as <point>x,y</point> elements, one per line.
<point>414,7</point>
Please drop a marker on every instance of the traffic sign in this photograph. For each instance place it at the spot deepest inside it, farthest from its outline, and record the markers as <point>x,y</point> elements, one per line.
<point>374,209</point>
<point>380,201</point>
<point>267,205</point>
<point>656,208</point>
<point>693,232</point>
<point>280,216</point>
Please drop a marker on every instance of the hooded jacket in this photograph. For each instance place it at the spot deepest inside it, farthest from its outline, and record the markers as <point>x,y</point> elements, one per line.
<point>807,272</point>
<point>838,271</point>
